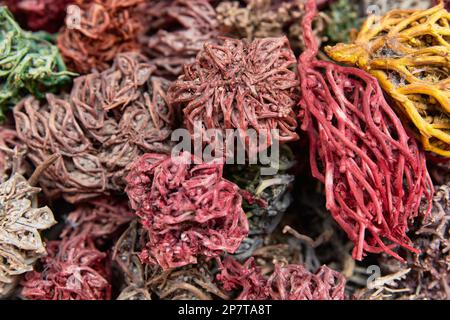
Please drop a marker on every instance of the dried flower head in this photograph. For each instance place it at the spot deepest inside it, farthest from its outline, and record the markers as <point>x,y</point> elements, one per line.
<point>109,120</point>
<point>103,29</point>
<point>374,173</point>
<point>35,15</point>
<point>73,270</point>
<point>178,29</point>
<point>142,281</point>
<point>100,219</point>
<point>253,19</point>
<point>188,209</point>
<point>28,63</point>
<point>290,282</point>
<point>21,220</point>
<point>426,276</point>
<point>240,85</point>
<point>406,50</point>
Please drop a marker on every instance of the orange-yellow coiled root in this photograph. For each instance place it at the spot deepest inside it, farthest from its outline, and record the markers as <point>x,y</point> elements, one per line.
<point>408,51</point>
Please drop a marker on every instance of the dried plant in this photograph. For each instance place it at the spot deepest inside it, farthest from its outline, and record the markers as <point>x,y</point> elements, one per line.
<point>8,140</point>
<point>21,220</point>
<point>342,20</point>
<point>109,120</point>
<point>290,282</point>
<point>188,209</point>
<point>143,281</point>
<point>47,15</point>
<point>73,270</point>
<point>428,275</point>
<point>104,29</point>
<point>100,218</point>
<point>240,85</point>
<point>178,29</point>
<point>28,64</point>
<point>266,198</point>
<point>407,52</point>
<point>374,173</point>
<point>253,19</point>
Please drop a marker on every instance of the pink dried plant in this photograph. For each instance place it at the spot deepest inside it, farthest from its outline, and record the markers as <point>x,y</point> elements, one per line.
<point>242,85</point>
<point>287,282</point>
<point>73,270</point>
<point>188,209</point>
<point>374,173</point>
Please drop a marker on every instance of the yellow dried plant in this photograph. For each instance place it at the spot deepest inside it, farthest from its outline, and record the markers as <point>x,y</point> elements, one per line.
<point>408,51</point>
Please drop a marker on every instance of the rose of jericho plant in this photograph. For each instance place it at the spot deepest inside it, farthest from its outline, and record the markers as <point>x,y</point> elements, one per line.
<point>28,64</point>
<point>100,218</point>
<point>73,270</point>
<point>266,198</point>
<point>407,50</point>
<point>109,120</point>
<point>426,276</point>
<point>374,173</point>
<point>177,31</point>
<point>21,221</point>
<point>287,282</point>
<point>104,29</point>
<point>253,19</point>
<point>35,15</point>
<point>189,210</point>
<point>142,281</point>
<point>242,85</point>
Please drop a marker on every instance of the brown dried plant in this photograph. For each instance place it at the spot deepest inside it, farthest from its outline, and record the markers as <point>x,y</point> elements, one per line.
<point>266,18</point>
<point>178,29</point>
<point>109,119</point>
<point>103,29</point>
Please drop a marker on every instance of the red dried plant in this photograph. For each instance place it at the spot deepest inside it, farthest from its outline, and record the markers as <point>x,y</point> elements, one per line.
<point>73,270</point>
<point>35,15</point>
<point>108,121</point>
<point>290,282</point>
<point>178,29</point>
<point>188,209</point>
<point>240,85</point>
<point>374,173</point>
<point>99,218</point>
<point>99,31</point>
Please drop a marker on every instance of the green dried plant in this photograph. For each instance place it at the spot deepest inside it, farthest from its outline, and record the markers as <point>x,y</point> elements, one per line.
<point>342,18</point>
<point>28,63</point>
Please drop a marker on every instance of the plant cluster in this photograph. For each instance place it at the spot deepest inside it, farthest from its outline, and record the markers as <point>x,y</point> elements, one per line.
<point>242,85</point>
<point>107,121</point>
